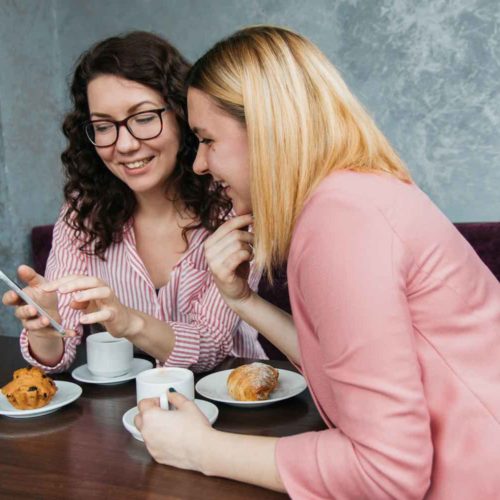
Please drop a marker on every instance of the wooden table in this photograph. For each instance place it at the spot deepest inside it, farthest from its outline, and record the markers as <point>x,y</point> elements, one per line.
<point>83,450</point>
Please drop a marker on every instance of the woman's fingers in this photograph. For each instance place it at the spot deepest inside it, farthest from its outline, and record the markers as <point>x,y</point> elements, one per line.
<point>90,294</point>
<point>29,276</point>
<point>52,286</point>
<point>37,323</point>
<point>25,312</point>
<point>11,298</point>
<point>87,288</point>
<point>233,242</point>
<point>145,405</point>
<point>72,283</point>
<point>46,332</point>
<point>100,316</point>
<point>229,238</point>
<point>226,260</point>
<point>226,269</point>
<point>99,293</point>
<point>79,305</point>
<point>178,400</point>
<point>138,421</point>
<point>31,320</point>
<point>233,224</point>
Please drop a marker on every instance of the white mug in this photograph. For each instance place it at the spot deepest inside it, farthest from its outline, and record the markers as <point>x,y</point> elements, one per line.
<point>156,382</point>
<point>108,356</point>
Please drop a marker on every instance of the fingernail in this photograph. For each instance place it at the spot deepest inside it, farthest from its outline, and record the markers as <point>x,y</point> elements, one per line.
<point>78,295</point>
<point>171,389</point>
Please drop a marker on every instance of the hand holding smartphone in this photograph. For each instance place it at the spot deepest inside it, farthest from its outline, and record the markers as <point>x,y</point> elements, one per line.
<point>14,286</point>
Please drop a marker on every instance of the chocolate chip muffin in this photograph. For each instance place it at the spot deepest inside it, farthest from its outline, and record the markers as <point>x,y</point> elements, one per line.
<point>29,389</point>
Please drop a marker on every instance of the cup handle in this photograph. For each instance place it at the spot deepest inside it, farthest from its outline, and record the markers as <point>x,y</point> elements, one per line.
<point>164,405</point>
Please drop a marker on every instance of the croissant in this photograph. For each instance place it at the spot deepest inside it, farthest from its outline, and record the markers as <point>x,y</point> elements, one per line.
<point>29,389</point>
<point>253,382</point>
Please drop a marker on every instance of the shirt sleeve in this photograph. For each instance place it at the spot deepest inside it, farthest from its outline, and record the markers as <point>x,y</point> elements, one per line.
<point>206,340</point>
<point>64,259</point>
<point>348,282</point>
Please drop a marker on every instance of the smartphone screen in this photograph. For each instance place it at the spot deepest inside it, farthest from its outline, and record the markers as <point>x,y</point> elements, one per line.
<point>14,286</point>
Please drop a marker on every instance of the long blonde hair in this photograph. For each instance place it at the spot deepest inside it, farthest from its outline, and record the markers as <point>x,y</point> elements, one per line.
<point>302,123</point>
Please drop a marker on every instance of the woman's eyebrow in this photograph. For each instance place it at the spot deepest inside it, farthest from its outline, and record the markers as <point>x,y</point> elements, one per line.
<point>199,130</point>
<point>129,110</point>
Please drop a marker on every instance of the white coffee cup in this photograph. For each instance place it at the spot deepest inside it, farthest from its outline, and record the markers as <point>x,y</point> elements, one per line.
<point>108,356</point>
<point>156,382</point>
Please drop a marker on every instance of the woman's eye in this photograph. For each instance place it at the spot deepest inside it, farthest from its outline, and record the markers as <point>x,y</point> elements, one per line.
<point>145,119</point>
<point>206,141</point>
<point>102,128</point>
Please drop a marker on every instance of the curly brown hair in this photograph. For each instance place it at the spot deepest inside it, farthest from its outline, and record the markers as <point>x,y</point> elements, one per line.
<point>99,205</point>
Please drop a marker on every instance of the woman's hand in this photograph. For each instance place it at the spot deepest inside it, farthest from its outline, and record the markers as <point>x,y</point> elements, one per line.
<point>174,438</point>
<point>185,439</point>
<point>228,252</point>
<point>35,324</point>
<point>99,301</point>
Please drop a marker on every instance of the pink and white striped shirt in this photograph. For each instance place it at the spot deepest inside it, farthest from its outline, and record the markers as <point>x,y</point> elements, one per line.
<point>206,329</point>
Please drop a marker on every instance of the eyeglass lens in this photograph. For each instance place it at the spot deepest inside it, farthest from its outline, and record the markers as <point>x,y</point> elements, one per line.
<point>146,125</point>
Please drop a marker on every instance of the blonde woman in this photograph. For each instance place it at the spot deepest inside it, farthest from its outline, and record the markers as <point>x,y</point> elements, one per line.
<point>396,318</point>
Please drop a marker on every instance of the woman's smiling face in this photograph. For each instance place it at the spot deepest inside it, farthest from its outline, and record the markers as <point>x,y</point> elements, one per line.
<point>223,148</point>
<point>144,165</point>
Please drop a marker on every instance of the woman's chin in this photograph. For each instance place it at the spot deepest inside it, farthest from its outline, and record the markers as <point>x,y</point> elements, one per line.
<point>241,208</point>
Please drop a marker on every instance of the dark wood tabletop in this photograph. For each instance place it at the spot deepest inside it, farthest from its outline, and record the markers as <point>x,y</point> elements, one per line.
<point>83,451</point>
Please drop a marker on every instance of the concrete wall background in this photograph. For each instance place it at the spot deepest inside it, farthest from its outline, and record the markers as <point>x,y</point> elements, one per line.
<point>428,71</point>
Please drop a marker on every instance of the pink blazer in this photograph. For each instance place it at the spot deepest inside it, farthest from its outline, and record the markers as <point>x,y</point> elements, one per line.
<point>399,331</point>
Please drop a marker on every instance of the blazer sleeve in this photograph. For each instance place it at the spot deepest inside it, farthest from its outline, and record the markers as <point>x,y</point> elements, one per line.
<point>64,259</point>
<point>348,283</point>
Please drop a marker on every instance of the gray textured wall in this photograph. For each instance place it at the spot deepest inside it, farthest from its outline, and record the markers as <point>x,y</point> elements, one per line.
<point>428,70</point>
<point>31,109</point>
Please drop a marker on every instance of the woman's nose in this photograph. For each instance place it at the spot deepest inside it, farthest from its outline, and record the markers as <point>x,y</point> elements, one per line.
<point>200,165</point>
<point>126,142</point>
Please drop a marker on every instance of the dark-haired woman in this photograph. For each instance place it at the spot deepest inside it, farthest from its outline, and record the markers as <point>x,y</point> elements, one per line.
<point>128,246</point>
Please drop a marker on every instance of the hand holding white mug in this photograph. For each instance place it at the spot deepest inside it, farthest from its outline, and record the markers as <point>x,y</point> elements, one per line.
<point>154,390</point>
<point>177,437</point>
<point>228,252</point>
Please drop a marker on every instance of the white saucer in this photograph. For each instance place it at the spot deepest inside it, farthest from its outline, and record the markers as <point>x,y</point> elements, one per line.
<point>66,393</point>
<point>214,386</point>
<point>83,374</point>
<point>208,409</point>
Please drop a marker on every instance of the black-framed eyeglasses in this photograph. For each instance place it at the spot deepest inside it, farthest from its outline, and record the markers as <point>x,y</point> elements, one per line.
<point>143,125</point>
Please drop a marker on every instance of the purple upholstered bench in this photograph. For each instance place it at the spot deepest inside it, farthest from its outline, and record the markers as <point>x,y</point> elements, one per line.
<point>484,237</point>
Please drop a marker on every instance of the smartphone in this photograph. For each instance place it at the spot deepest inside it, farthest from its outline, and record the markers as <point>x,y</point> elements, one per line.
<point>14,286</point>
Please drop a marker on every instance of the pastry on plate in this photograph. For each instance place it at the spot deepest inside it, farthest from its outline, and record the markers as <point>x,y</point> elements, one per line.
<point>30,388</point>
<point>252,382</point>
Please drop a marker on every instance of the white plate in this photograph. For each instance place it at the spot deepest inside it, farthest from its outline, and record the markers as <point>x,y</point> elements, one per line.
<point>83,374</point>
<point>66,393</point>
<point>214,386</point>
<point>207,408</point>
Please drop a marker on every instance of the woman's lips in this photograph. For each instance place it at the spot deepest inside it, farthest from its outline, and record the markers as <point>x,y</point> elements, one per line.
<point>137,167</point>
